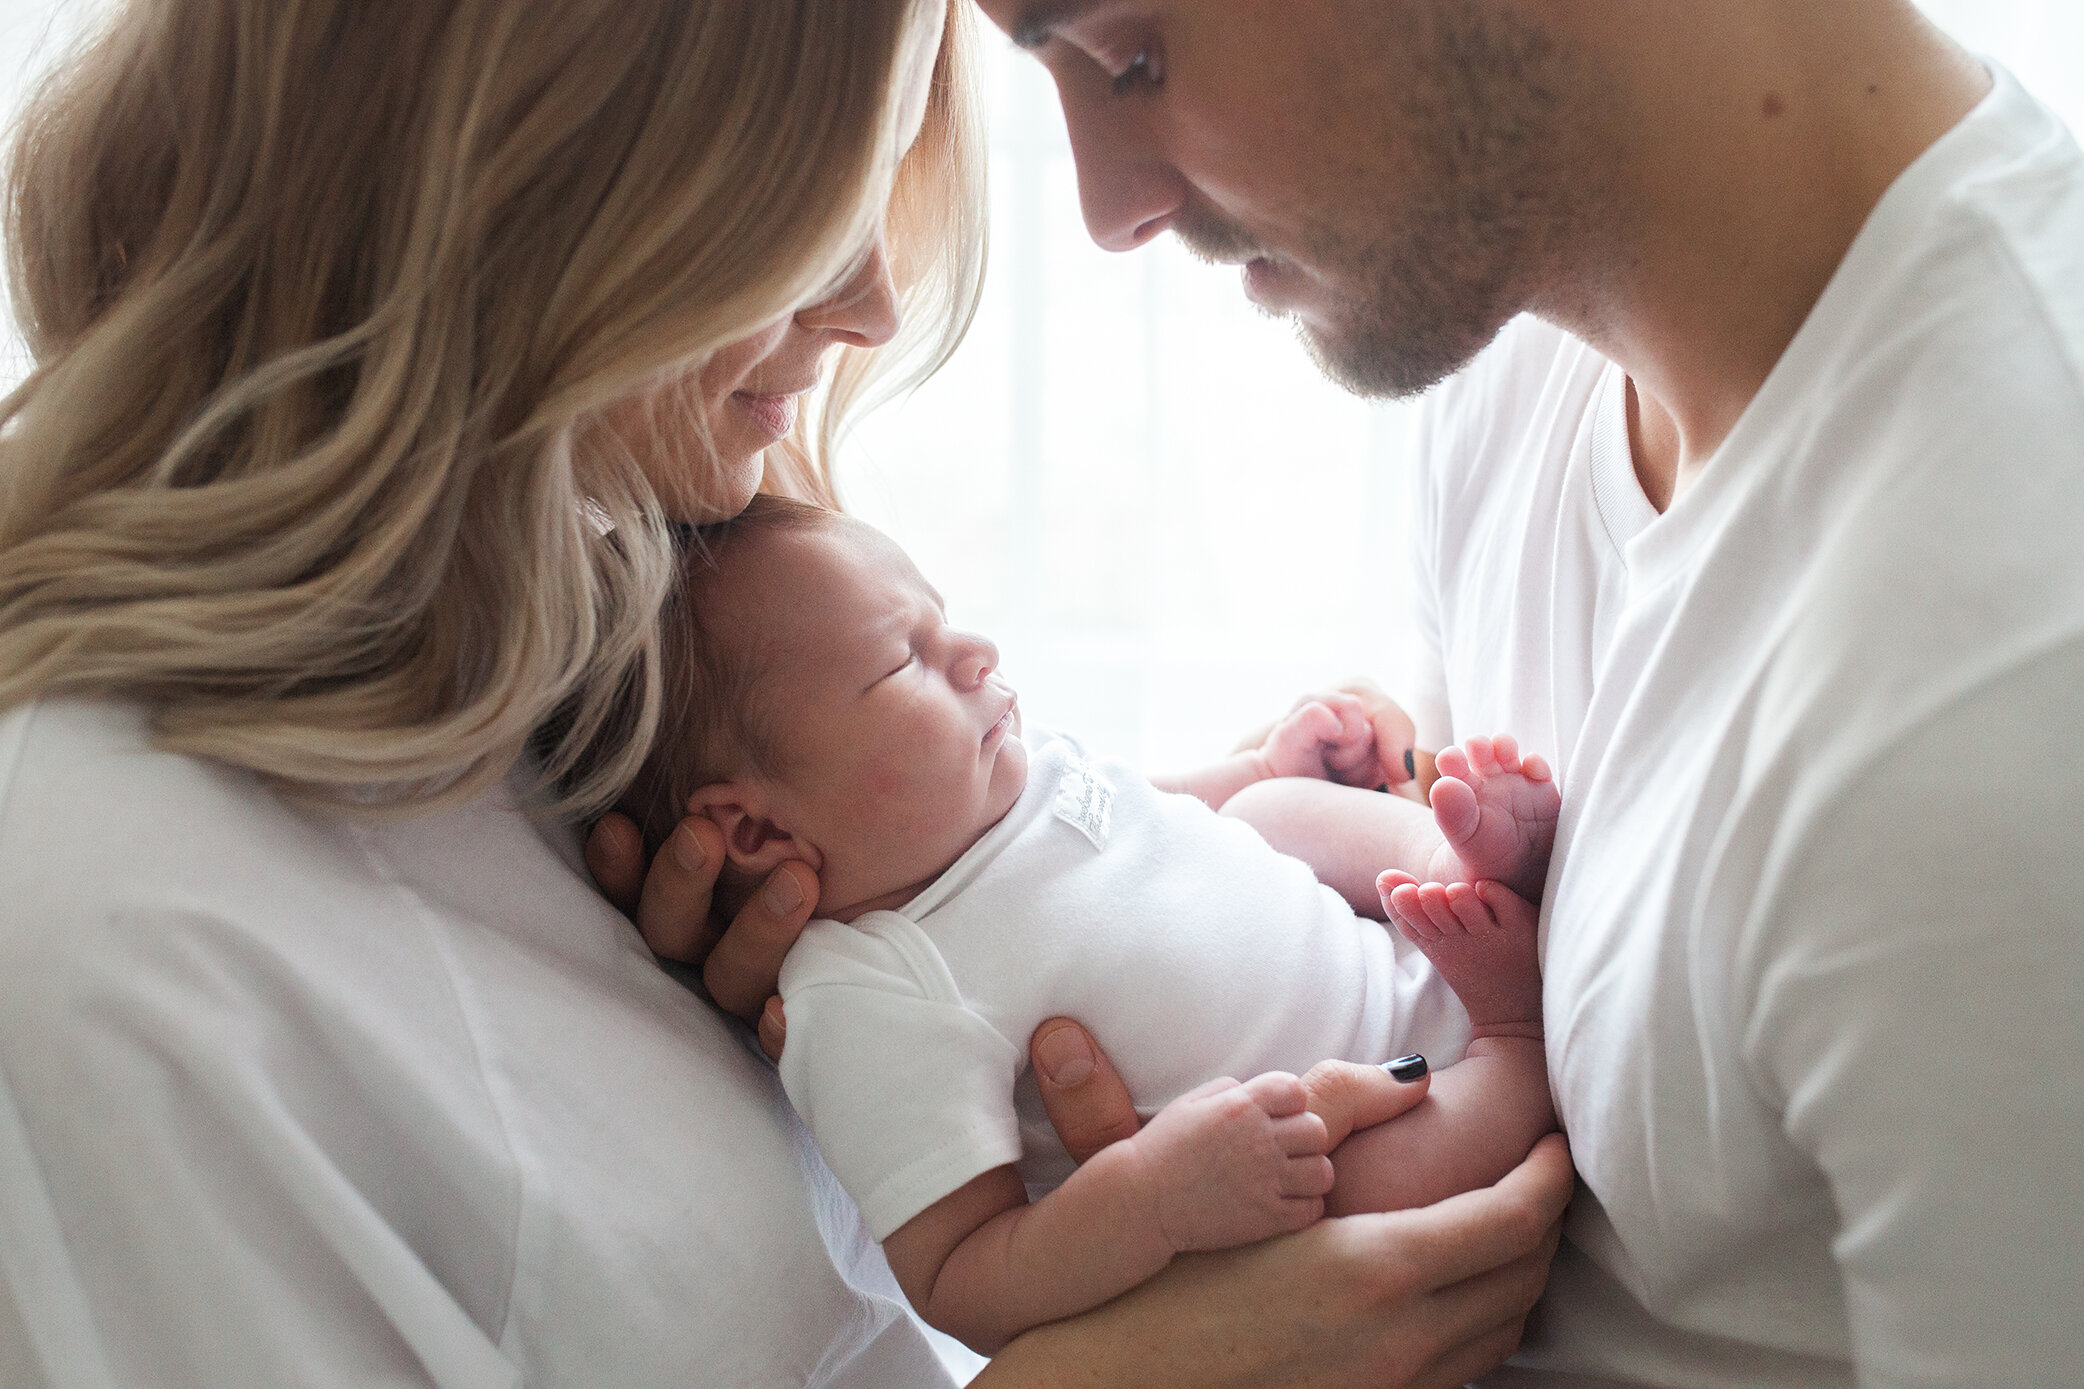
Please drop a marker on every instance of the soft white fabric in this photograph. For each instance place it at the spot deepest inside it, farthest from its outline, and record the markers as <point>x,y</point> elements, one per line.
<point>1814,934</point>
<point>286,1100</point>
<point>1189,947</point>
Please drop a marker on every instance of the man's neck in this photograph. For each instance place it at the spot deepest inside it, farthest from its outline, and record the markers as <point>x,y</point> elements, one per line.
<point>1756,140</point>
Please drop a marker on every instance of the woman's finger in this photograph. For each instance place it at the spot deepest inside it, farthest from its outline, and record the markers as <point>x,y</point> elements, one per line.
<point>673,910</point>
<point>1396,736</point>
<point>615,858</point>
<point>1477,1307</point>
<point>1088,1105</point>
<point>743,970</point>
<point>1459,1364</point>
<point>1488,1229</point>
<point>1349,1096</point>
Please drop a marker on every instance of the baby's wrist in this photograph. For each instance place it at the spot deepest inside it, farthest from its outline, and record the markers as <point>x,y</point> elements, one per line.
<point>1142,1177</point>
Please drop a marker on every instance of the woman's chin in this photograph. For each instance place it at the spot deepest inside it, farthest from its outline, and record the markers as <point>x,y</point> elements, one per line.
<point>736,480</point>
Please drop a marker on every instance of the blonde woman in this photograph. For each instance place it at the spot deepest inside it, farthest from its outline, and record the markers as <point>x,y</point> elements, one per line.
<point>378,345</point>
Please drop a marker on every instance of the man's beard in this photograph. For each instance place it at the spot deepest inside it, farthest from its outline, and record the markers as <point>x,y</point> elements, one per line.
<point>1436,257</point>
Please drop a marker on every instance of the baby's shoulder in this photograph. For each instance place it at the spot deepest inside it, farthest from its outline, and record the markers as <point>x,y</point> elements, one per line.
<point>881,950</point>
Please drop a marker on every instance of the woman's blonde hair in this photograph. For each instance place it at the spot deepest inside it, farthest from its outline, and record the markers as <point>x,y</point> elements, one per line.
<point>319,294</point>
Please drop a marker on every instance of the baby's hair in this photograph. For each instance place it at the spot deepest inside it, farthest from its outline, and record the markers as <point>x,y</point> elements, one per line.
<point>711,725</point>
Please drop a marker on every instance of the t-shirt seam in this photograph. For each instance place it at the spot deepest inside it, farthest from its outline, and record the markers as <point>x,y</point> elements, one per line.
<point>1999,237</point>
<point>1599,429</point>
<point>417,906</point>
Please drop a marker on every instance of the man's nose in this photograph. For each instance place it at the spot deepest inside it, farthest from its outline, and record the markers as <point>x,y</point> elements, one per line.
<point>863,310</point>
<point>1128,190</point>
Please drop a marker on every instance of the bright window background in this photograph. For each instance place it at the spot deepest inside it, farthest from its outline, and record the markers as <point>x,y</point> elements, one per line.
<point>1132,481</point>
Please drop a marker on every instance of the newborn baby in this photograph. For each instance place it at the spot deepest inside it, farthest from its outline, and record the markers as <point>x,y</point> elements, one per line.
<point>974,883</point>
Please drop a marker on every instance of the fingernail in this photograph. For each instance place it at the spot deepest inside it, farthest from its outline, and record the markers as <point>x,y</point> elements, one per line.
<point>1406,1069</point>
<point>687,850</point>
<point>1410,763</point>
<point>783,893</point>
<point>1064,1056</point>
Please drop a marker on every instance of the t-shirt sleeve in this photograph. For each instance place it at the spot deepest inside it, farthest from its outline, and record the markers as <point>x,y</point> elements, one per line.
<point>908,1092</point>
<point>1911,1003</point>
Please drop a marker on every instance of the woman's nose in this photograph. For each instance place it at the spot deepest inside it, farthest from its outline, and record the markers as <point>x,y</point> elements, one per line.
<point>973,658</point>
<point>1128,192</point>
<point>862,311</point>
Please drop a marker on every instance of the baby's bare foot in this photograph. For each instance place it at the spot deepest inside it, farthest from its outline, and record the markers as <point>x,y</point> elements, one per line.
<point>1482,940</point>
<point>1497,812</point>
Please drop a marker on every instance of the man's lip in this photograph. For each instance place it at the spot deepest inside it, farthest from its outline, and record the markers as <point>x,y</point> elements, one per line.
<point>1269,284</point>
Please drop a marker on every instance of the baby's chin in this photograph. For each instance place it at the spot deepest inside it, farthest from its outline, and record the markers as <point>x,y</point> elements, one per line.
<point>1009,776</point>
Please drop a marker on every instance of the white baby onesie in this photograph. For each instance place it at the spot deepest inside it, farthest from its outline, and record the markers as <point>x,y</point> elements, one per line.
<point>1187,945</point>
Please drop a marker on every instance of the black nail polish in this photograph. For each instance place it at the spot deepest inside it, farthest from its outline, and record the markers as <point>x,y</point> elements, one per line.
<point>1410,763</point>
<point>1406,1068</point>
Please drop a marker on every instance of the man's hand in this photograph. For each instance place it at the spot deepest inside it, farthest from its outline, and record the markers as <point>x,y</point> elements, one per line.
<point>670,900</point>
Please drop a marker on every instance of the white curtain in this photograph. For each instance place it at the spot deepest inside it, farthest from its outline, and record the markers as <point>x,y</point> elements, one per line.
<point>1137,485</point>
<point>1144,491</point>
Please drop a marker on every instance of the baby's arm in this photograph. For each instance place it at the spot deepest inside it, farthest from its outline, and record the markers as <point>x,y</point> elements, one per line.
<point>1224,1165</point>
<point>1347,836</point>
<point>1493,817</point>
<point>1324,737</point>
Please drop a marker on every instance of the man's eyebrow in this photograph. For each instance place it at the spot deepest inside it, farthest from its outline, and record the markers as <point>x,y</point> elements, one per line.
<point>1042,18</point>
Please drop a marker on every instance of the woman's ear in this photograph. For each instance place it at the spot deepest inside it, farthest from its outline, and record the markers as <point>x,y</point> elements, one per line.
<point>754,843</point>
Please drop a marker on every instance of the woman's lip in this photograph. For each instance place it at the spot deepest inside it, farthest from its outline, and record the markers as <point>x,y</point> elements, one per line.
<point>775,415</point>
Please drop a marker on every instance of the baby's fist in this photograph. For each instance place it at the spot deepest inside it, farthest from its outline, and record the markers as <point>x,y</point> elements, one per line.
<point>1327,737</point>
<point>1228,1164</point>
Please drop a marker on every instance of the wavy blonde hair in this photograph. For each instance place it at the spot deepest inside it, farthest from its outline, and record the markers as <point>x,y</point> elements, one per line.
<point>320,292</point>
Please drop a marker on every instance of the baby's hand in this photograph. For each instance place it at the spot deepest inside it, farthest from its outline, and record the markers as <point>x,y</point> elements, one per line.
<point>1325,736</point>
<point>1227,1164</point>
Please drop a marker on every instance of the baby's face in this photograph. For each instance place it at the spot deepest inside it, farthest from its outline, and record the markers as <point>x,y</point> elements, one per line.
<point>901,741</point>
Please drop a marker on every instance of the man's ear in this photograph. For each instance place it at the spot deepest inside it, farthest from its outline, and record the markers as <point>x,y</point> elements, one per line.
<point>754,843</point>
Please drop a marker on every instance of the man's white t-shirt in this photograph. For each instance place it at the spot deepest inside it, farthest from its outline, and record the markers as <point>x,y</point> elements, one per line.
<point>1813,937</point>
<point>289,1099</point>
<point>1189,946</point>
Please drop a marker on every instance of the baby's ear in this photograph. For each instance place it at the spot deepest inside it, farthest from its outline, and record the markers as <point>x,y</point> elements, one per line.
<point>753,843</point>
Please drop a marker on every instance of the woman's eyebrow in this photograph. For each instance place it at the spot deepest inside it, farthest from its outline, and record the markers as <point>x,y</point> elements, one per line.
<point>1042,18</point>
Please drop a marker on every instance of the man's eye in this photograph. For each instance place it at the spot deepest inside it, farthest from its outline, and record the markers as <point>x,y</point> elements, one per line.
<point>1144,72</point>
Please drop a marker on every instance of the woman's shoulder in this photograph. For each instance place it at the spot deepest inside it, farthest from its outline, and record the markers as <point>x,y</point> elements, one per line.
<point>427,1038</point>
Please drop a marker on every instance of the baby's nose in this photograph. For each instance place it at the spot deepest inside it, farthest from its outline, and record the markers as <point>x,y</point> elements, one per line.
<point>975,658</point>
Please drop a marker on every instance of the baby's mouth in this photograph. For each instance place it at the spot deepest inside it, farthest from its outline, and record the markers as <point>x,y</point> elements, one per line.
<point>1007,722</point>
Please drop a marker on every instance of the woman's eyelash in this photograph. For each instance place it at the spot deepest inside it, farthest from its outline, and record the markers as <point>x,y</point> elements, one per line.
<point>1146,70</point>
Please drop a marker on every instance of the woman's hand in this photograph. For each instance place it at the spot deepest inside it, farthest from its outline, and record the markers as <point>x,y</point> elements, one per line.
<point>670,901</point>
<point>1427,1298</point>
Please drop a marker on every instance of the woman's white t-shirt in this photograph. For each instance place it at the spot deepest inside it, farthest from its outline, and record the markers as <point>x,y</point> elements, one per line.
<point>1813,940</point>
<point>290,1099</point>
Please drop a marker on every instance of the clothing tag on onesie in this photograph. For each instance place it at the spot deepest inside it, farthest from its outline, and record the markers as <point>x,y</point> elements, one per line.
<point>1083,801</point>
